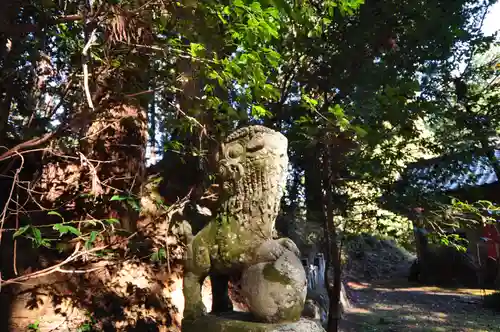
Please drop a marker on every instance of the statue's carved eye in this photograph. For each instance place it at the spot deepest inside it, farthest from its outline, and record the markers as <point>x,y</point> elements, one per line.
<point>235,151</point>
<point>255,144</point>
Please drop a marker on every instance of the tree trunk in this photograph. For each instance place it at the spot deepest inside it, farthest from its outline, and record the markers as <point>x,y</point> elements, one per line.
<point>333,261</point>
<point>117,135</point>
<point>314,195</point>
<point>422,248</point>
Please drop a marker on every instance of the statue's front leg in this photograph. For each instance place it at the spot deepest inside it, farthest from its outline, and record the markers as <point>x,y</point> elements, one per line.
<point>220,294</point>
<point>193,302</point>
<point>196,269</point>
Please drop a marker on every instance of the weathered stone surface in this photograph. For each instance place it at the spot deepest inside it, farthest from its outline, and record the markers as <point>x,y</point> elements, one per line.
<point>243,322</point>
<point>276,291</point>
<point>252,176</point>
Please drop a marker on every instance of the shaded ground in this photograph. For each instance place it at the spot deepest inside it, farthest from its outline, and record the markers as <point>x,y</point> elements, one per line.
<point>399,306</point>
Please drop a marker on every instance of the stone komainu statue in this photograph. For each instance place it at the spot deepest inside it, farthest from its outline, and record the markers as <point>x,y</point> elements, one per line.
<point>239,240</point>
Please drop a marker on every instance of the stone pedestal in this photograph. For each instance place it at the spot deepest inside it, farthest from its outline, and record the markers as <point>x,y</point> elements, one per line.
<point>244,322</point>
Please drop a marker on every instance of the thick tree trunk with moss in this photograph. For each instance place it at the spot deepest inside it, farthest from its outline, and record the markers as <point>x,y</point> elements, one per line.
<point>117,136</point>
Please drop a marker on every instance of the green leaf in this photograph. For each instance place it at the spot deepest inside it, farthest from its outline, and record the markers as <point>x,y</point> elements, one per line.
<point>112,221</point>
<point>118,198</point>
<point>163,22</point>
<point>45,243</point>
<point>134,204</point>
<point>62,229</point>
<point>273,57</point>
<point>235,35</point>
<point>344,124</point>
<point>337,111</point>
<point>304,119</point>
<point>259,111</point>
<point>196,49</point>
<point>162,254</point>
<point>269,29</point>
<point>37,235</point>
<point>223,20</point>
<point>92,237</point>
<point>155,257</point>
<point>159,255</point>
<point>239,3</point>
<point>21,231</point>
<point>309,101</point>
<point>34,326</point>
<point>74,230</point>
<point>174,145</point>
<point>360,131</point>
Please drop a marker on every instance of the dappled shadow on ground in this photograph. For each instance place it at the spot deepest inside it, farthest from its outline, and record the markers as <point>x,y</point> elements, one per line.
<point>119,288</point>
<point>380,308</point>
<point>132,297</point>
<point>402,284</point>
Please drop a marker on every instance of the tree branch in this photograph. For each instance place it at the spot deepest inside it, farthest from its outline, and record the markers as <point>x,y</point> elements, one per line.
<point>29,144</point>
<point>19,29</point>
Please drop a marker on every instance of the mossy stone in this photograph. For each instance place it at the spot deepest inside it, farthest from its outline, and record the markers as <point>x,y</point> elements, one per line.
<point>244,322</point>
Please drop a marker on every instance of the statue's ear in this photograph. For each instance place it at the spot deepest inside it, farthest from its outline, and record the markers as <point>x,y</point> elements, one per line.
<point>237,170</point>
<point>220,155</point>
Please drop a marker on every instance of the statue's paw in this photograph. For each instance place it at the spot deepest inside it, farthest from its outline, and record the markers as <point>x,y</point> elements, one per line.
<point>290,245</point>
<point>271,250</point>
<point>268,251</point>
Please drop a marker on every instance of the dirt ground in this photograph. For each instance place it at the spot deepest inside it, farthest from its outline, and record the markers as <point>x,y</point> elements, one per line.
<point>396,305</point>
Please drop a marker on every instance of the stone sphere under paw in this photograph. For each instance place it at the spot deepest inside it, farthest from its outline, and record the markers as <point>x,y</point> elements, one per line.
<point>276,291</point>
